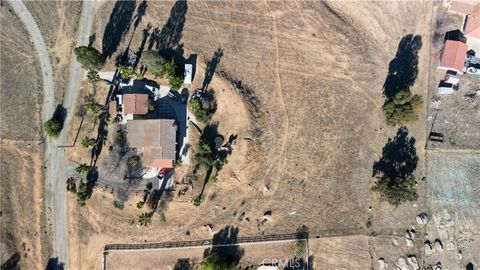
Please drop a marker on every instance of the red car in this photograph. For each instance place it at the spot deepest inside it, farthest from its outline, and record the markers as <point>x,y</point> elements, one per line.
<point>163,171</point>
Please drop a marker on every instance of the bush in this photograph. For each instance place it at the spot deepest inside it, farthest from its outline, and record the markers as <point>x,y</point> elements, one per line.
<point>201,114</point>
<point>118,205</point>
<point>92,76</point>
<point>175,82</point>
<point>145,219</point>
<point>52,127</point>
<point>71,185</point>
<point>217,262</point>
<point>140,204</point>
<point>88,142</point>
<point>154,62</point>
<point>204,156</point>
<point>126,72</point>
<point>91,107</point>
<point>402,108</point>
<point>89,58</point>
<point>82,169</point>
<point>83,194</point>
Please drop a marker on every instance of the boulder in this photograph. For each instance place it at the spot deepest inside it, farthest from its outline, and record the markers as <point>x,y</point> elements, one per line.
<point>409,242</point>
<point>267,215</point>
<point>422,218</point>
<point>438,266</point>
<point>428,248</point>
<point>382,264</point>
<point>438,245</point>
<point>412,261</point>
<point>402,264</point>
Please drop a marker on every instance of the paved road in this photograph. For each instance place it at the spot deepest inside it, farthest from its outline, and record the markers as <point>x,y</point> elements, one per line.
<point>55,157</point>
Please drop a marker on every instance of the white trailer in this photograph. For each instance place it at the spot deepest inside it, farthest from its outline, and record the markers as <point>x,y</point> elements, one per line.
<point>188,74</point>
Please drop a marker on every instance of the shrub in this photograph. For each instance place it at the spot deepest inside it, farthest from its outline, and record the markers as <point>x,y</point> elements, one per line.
<point>82,169</point>
<point>402,108</point>
<point>154,62</point>
<point>92,76</point>
<point>118,205</point>
<point>200,113</point>
<point>204,156</point>
<point>140,204</point>
<point>83,193</point>
<point>71,185</point>
<point>144,219</point>
<point>52,127</point>
<point>89,58</point>
<point>162,217</point>
<point>126,72</point>
<point>175,82</point>
<point>88,142</point>
<point>91,107</point>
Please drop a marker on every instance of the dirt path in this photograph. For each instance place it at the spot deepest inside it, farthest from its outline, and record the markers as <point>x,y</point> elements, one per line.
<point>55,175</point>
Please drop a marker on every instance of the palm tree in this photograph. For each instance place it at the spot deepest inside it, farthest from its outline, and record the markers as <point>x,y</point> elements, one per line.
<point>145,218</point>
<point>88,142</point>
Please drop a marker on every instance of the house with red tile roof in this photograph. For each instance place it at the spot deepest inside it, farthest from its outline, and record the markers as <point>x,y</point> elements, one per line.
<point>156,139</point>
<point>463,7</point>
<point>453,56</point>
<point>472,24</point>
<point>135,104</point>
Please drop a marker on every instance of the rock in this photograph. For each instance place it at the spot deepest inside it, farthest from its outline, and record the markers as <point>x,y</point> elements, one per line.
<point>422,218</point>
<point>395,242</point>
<point>429,267</point>
<point>428,248</point>
<point>267,215</point>
<point>265,189</point>
<point>438,245</point>
<point>451,245</point>
<point>409,242</point>
<point>438,266</point>
<point>412,260</point>
<point>402,264</point>
<point>382,264</point>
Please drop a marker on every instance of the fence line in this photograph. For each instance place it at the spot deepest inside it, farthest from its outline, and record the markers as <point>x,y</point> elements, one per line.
<point>251,239</point>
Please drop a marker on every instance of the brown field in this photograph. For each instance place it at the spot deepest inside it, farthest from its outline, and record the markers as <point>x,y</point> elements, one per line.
<point>24,230</point>
<point>318,70</point>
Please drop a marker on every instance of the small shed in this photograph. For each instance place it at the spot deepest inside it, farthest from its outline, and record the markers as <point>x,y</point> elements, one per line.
<point>112,108</point>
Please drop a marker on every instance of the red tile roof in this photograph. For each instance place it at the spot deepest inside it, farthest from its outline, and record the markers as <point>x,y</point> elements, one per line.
<point>472,25</point>
<point>112,108</point>
<point>156,138</point>
<point>453,56</point>
<point>463,6</point>
<point>135,104</point>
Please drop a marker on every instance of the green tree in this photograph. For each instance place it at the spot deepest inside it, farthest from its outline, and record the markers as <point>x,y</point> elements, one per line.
<point>126,72</point>
<point>92,76</point>
<point>204,156</point>
<point>89,58</point>
<point>217,262</point>
<point>200,113</point>
<point>88,142</point>
<point>402,108</point>
<point>144,219</point>
<point>154,62</point>
<point>52,127</point>
<point>91,107</point>
<point>175,82</point>
<point>82,168</point>
<point>83,193</point>
<point>396,189</point>
<point>140,204</point>
<point>71,185</point>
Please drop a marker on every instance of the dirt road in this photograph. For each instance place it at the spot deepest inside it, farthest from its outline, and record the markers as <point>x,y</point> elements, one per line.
<point>55,157</point>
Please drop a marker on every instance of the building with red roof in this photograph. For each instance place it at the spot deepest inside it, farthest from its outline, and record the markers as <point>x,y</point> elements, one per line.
<point>135,104</point>
<point>156,139</point>
<point>453,57</point>
<point>472,24</point>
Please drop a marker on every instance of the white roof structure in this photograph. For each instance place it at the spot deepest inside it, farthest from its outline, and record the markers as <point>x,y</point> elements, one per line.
<point>188,74</point>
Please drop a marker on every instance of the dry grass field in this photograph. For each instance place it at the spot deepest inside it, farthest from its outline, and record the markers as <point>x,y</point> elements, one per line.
<point>24,230</point>
<point>318,69</point>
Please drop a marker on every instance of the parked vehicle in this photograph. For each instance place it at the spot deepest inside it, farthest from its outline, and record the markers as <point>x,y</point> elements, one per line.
<point>163,171</point>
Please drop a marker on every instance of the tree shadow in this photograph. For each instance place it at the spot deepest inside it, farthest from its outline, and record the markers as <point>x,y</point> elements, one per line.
<point>183,264</point>
<point>403,69</point>
<point>117,26</point>
<point>60,114</point>
<point>12,262</point>
<point>224,245</point>
<point>399,156</point>
<point>54,264</point>
<point>211,67</point>
<point>141,11</point>
<point>168,40</point>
